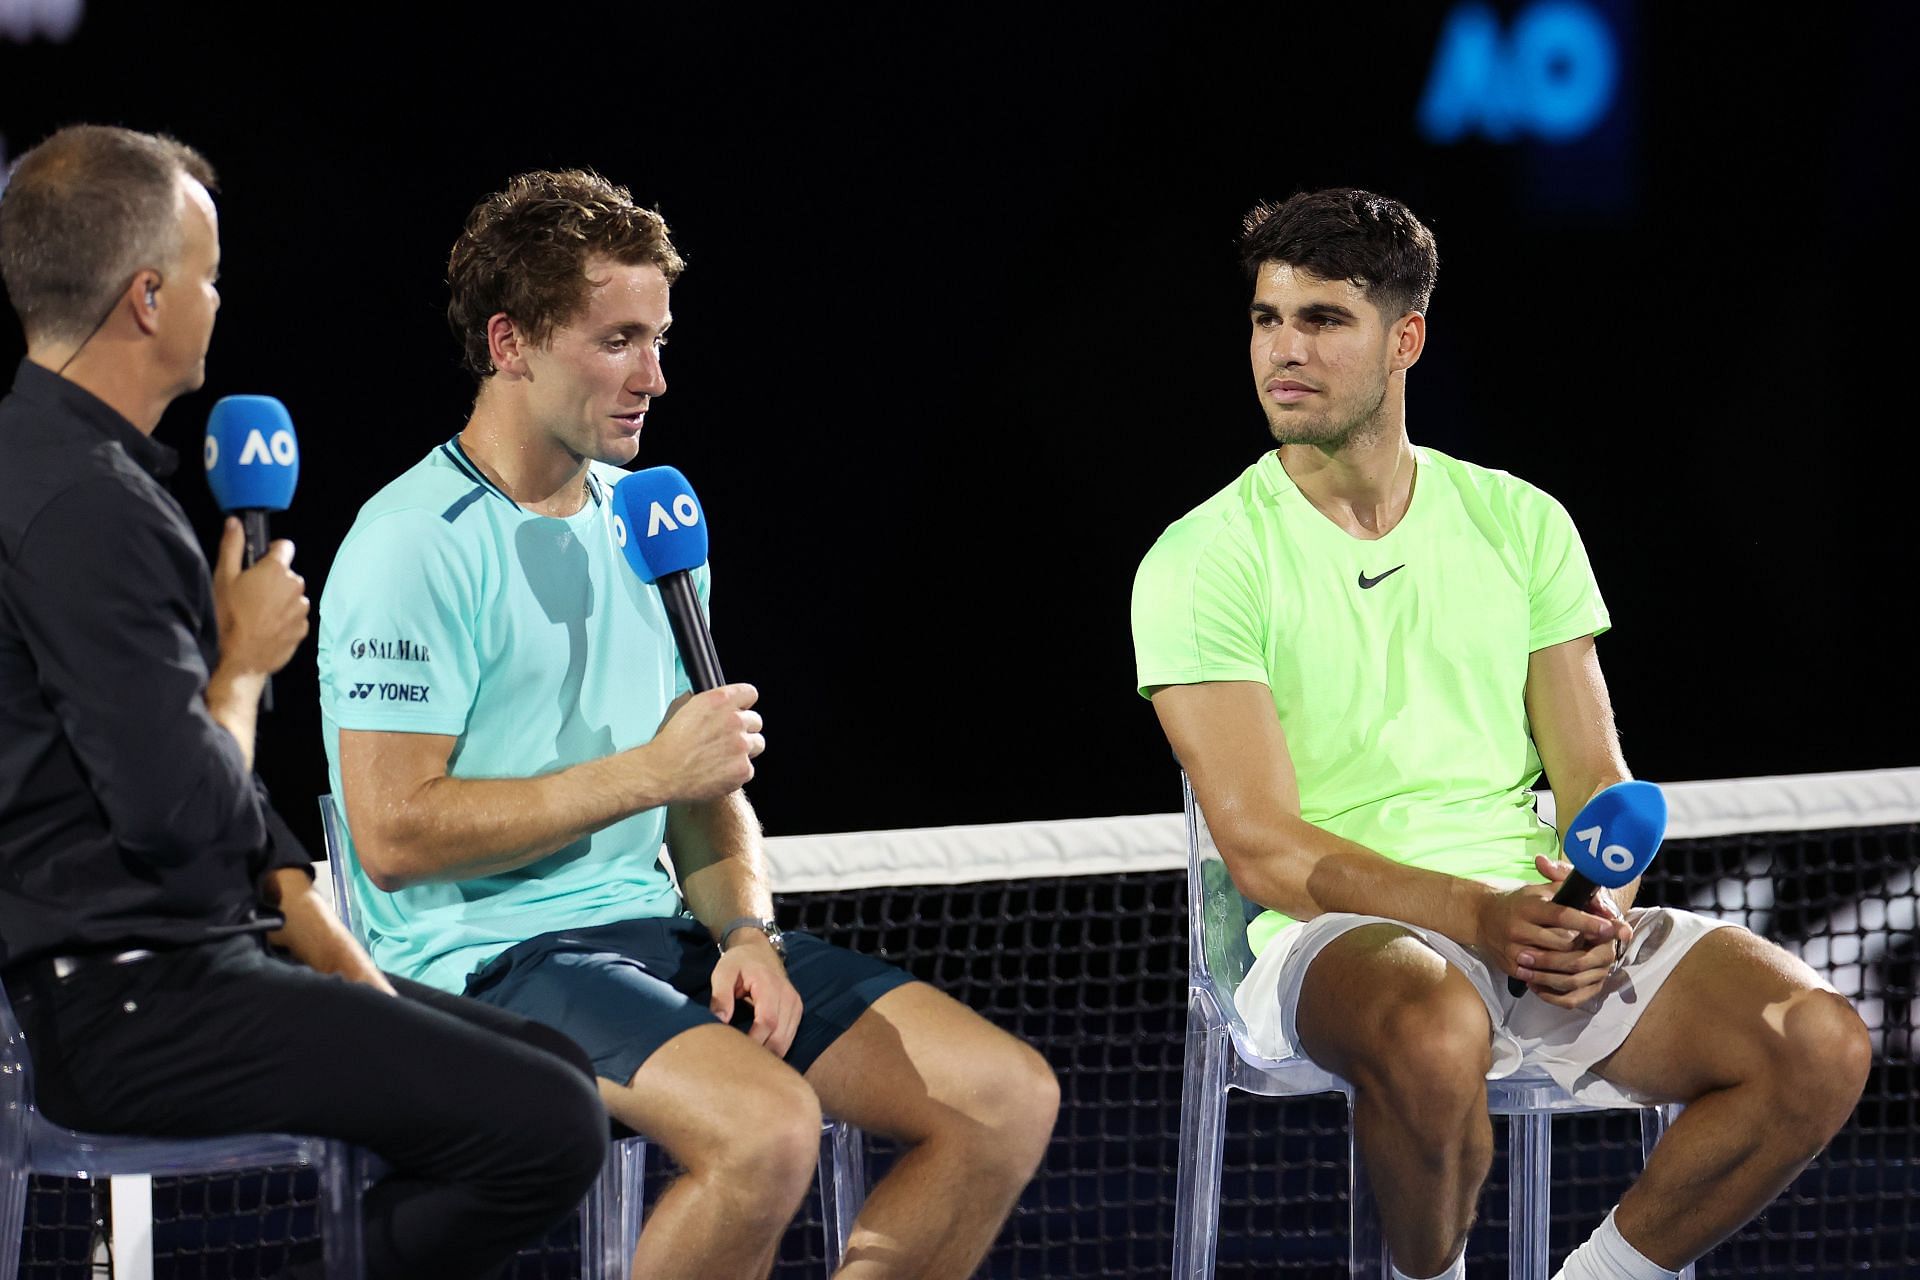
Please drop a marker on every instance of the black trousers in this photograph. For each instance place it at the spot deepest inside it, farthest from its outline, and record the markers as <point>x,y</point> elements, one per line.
<point>490,1122</point>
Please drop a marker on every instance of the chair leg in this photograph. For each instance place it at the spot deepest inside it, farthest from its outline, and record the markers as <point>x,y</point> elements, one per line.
<point>1529,1192</point>
<point>13,1213</point>
<point>343,1173</point>
<point>610,1214</point>
<point>632,1157</point>
<point>843,1186</point>
<point>1203,1132</point>
<point>1366,1242</point>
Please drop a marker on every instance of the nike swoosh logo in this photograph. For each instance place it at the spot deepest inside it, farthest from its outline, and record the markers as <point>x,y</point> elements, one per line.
<point>1366,582</point>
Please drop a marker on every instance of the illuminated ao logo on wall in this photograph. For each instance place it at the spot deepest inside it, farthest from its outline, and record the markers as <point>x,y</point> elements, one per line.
<point>1551,77</point>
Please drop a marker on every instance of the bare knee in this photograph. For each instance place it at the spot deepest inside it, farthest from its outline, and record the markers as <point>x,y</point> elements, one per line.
<point>1818,1065</point>
<point>1426,1057</point>
<point>1001,1126</point>
<point>766,1160</point>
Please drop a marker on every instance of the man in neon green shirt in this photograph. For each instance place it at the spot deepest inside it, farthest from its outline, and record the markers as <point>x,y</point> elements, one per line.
<point>1365,653</point>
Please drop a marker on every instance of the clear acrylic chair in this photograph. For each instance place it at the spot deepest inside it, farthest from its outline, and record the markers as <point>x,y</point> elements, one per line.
<point>30,1143</point>
<point>1221,1056</point>
<point>610,1214</point>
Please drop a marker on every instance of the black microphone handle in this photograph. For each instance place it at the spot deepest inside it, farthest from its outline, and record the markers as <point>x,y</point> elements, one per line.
<point>690,633</point>
<point>1575,891</point>
<point>254,521</point>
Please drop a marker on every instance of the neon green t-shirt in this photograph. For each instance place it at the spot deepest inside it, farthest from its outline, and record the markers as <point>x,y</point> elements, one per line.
<point>1398,666</point>
<point>452,610</point>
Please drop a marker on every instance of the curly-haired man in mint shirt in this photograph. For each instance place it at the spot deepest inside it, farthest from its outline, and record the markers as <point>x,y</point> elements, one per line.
<point>494,682</point>
<point>1366,653</point>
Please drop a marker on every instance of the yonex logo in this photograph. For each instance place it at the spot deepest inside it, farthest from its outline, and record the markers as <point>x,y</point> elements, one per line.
<point>684,508</point>
<point>619,531</point>
<point>390,692</point>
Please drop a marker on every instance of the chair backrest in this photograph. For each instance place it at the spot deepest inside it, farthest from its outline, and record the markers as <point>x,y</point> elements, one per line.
<point>1217,952</point>
<point>339,875</point>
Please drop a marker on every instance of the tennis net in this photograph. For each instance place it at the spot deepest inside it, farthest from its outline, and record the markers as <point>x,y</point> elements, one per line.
<point>1072,935</point>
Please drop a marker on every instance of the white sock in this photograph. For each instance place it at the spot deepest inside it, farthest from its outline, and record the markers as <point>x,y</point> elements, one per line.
<point>1607,1256</point>
<point>1458,1271</point>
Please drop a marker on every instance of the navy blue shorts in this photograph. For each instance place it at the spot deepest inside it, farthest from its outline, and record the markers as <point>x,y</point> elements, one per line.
<point>623,990</point>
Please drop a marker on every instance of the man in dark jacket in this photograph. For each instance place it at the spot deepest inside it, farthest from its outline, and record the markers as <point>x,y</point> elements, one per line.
<point>143,873</point>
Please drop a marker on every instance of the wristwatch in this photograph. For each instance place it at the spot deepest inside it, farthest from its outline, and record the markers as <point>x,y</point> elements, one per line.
<point>768,927</point>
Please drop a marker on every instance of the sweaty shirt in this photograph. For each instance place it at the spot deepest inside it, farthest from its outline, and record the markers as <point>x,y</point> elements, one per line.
<point>451,610</point>
<point>1398,666</point>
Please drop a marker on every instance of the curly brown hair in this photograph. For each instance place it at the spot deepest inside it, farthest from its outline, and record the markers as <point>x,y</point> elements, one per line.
<point>524,252</point>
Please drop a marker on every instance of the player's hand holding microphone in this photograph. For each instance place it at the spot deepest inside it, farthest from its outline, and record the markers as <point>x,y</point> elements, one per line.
<point>1565,959</point>
<point>253,464</point>
<point>709,737</point>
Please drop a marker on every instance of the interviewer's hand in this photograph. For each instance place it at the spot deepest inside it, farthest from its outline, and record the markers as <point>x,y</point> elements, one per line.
<point>1572,977</point>
<point>706,745</point>
<point>751,970</point>
<point>262,611</point>
<point>314,935</point>
<point>1524,927</point>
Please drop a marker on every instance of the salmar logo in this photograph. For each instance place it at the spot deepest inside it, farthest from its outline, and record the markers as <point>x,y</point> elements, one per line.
<point>389,650</point>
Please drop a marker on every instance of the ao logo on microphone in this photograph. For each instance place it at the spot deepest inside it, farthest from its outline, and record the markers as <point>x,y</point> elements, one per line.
<point>279,450</point>
<point>658,519</point>
<point>684,507</point>
<point>1614,857</point>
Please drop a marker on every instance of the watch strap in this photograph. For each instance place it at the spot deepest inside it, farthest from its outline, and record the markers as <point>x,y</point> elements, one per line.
<point>764,925</point>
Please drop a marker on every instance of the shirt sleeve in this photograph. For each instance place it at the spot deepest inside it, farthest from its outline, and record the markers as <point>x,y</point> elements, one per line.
<point>1563,597</point>
<point>1200,610</point>
<point>283,849</point>
<point>397,628</point>
<point>110,594</point>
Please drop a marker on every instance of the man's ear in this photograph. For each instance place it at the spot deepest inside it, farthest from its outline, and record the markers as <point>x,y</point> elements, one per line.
<point>507,345</point>
<point>143,298</point>
<point>1409,340</point>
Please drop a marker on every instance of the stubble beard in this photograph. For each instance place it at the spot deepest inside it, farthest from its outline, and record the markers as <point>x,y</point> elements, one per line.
<point>1321,432</point>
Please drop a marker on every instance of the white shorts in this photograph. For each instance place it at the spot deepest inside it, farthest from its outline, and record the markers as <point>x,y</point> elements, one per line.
<point>1527,1031</point>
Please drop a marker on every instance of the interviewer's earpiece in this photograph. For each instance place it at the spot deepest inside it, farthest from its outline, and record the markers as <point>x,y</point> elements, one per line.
<point>152,300</point>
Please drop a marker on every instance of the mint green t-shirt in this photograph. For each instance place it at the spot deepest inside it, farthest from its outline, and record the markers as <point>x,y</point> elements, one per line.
<point>1398,666</point>
<point>451,610</point>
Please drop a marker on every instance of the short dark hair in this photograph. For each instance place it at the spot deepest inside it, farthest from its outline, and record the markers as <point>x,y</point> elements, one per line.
<point>81,213</point>
<point>1344,233</point>
<point>524,251</point>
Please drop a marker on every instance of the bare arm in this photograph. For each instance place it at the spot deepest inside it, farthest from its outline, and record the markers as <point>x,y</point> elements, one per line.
<point>1228,737</point>
<point>262,615</point>
<point>717,850</point>
<point>413,824</point>
<point>315,935</point>
<point>1572,720</point>
<point>718,854</point>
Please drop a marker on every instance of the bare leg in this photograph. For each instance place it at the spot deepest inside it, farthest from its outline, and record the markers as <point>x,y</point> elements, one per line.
<point>1770,1067</point>
<point>977,1107</point>
<point>1387,1014</point>
<point>745,1127</point>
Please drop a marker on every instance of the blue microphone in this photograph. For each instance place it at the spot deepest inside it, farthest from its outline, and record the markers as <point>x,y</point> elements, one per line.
<point>662,531</point>
<point>253,464</point>
<point>1610,842</point>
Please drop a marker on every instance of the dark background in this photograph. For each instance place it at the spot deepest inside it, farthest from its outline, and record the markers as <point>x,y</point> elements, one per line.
<point>963,331</point>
